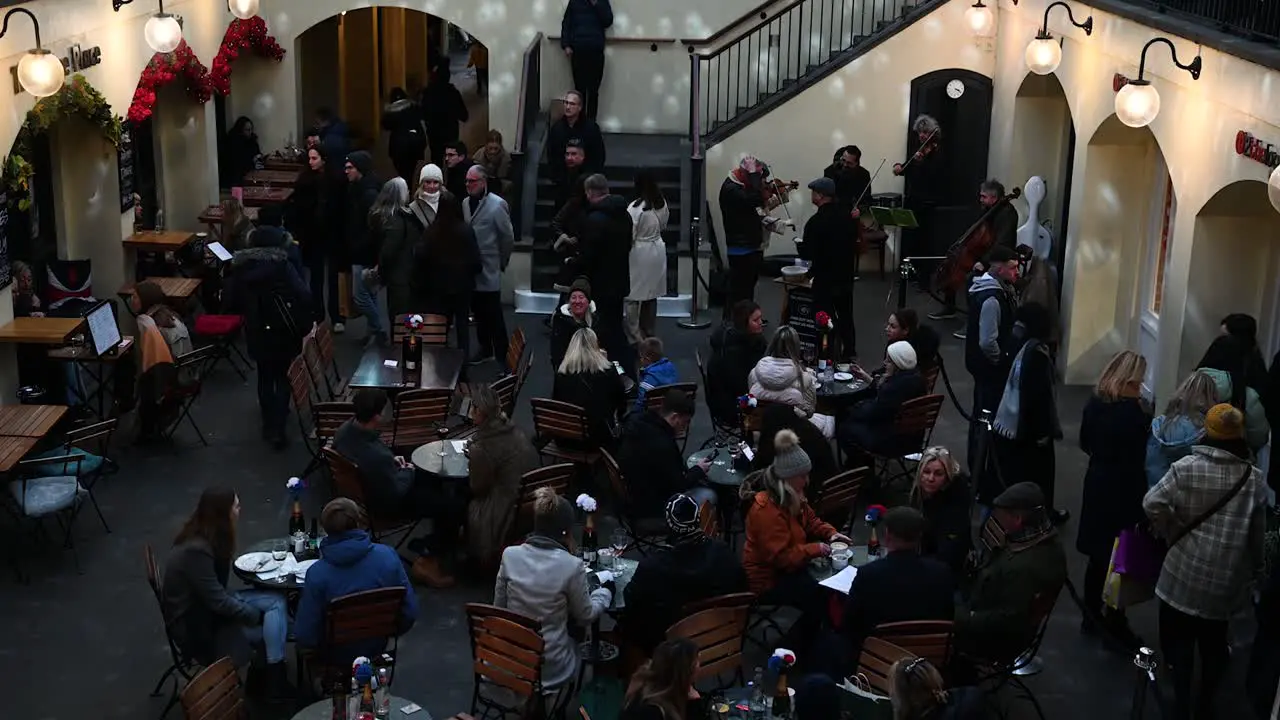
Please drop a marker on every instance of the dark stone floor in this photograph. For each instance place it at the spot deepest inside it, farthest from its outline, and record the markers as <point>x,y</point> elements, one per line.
<point>91,646</point>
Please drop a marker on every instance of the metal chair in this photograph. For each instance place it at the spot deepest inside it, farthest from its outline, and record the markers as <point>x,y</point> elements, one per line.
<point>1000,674</point>
<point>929,639</point>
<point>215,694</point>
<point>647,533</point>
<point>192,366</point>
<point>723,430</point>
<point>352,620</point>
<point>876,660</point>
<point>317,421</point>
<point>348,483</point>
<point>556,423</point>
<point>338,389</point>
<point>912,429</point>
<point>507,656</point>
<point>556,477</point>
<point>838,495</point>
<point>419,416</point>
<point>718,632</point>
<point>35,499</point>
<point>515,350</point>
<point>180,664</point>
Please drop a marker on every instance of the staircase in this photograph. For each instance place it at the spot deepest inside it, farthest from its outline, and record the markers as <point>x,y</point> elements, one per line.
<point>759,70</point>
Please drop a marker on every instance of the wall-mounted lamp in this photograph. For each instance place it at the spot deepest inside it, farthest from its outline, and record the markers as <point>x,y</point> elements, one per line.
<point>981,21</point>
<point>39,72</point>
<point>163,31</point>
<point>243,9</point>
<point>1044,54</point>
<point>1138,102</point>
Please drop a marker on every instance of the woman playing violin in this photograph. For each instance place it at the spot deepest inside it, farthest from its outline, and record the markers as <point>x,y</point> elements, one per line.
<point>929,136</point>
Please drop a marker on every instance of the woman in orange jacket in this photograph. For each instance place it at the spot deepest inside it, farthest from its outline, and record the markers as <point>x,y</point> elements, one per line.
<point>784,534</point>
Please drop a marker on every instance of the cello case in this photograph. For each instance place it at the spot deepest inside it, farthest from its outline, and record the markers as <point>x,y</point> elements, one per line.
<point>1034,233</point>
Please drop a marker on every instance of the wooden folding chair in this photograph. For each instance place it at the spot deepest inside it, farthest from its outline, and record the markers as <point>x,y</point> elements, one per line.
<point>351,620</point>
<point>999,674</point>
<point>878,657</point>
<point>505,387</point>
<point>555,422</point>
<point>522,375</point>
<point>215,694</point>
<point>434,329</point>
<point>929,639</point>
<point>709,519</point>
<point>912,429</point>
<point>930,375</point>
<point>191,365</point>
<point>181,665</point>
<point>329,364</point>
<point>318,422</point>
<point>647,533</point>
<point>315,368</point>
<point>515,350</point>
<point>723,429</point>
<point>418,417</point>
<point>556,477</point>
<point>653,401</point>
<point>348,483</point>
<point>838,495</point>
<point>507,657</point>
<point>718,633</point>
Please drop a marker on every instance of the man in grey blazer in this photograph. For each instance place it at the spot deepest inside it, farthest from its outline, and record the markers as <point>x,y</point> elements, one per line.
<point>490,218</point>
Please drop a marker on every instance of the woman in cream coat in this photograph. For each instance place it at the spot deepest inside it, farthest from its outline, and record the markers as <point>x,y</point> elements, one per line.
<point>649,215</point>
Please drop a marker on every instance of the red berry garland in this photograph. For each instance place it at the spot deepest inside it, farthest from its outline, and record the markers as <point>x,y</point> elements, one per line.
<point>163,69</point>
<point>241,36</point>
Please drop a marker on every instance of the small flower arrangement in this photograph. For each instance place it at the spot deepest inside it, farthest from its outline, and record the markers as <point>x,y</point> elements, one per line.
<point>413,322</point>
<point>295,486</point>
<point>586,503</point>
<point>874,513</point>
<point>782,660</point>
<point>823,321</point>
<point>746,402</point>
<point>362,671</point>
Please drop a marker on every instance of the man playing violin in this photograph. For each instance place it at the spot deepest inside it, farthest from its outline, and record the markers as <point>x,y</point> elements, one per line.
<point>746,197</point>
<point>1002,225</point>
<point>853,182</point>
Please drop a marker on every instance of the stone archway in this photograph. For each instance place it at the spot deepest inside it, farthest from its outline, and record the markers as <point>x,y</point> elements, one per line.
<point>1123,230</point>
<point>1235,267</point>
<point>1044,138</point>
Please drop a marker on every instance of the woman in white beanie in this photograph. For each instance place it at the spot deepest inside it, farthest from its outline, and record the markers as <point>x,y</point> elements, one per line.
<point>868,426</point>
<point>410,225</point>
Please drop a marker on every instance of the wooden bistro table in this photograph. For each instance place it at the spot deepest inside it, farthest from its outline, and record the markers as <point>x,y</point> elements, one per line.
<point>22,427</point>
<point>272,177</point>
<point>212,219</point>
<point>380,367</point>
<point>39,330</point>
<point>159,240</point>
<point>178,291</point>
<point>275,162</point>
<point>263,196</point>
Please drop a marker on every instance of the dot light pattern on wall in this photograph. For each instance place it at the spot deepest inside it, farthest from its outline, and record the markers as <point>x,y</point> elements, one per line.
<point>39,72</point>
<point>163,32</point>
<point>1044,54</point>
<point>1138,102</point>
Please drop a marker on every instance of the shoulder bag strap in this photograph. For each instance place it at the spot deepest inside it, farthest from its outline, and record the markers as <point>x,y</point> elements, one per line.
<point>1221,503</point>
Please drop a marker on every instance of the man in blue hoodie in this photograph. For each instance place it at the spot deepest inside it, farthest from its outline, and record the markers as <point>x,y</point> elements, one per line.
<point>987,347</point>
<point>349,563</point>
<point>656,370</point>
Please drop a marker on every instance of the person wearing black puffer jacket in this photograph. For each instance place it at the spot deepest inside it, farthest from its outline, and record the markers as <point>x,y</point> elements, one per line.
<point>582,38</point>
<point>445,265</point>
<point>361,242</point>
<point>736,347</point>
<point>402,118</point>
<point>606,263</point>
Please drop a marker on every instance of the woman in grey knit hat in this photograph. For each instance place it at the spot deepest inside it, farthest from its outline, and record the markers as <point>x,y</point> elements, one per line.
<point>784,534</point>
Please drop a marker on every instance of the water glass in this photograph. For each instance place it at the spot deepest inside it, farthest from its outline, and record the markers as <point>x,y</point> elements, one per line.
<point>280,550</point>
<point>620,540</point>
<point>605,557</point>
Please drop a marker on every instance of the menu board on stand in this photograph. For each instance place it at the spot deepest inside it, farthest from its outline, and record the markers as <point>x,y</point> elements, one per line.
<point>125,160</point>
<point>6,274</point>
<point>803,318</point>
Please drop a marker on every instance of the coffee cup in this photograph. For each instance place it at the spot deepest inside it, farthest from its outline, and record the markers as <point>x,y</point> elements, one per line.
<point>843,367</point>
<point>838,548</point>
<point>839,562</point>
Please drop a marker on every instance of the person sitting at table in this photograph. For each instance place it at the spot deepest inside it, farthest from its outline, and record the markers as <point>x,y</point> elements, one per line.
<point>662,689</point>
<point>206,621</point>
<point>543,579</point>
<point>868,426</point>
<point>152,308</point>
<point>656,370</point>
<point>240,153</point>
<point>350,562</point>
<point>692,567</point>
<point>775,418</point>
<point>902,323</point>
<point>391,486</point>
<point>781,377</point>
<point>903,585</point>
<point>650,460</point>
<point>918,692</point>
<point>783,534</point>
<point>500,454</point>
<point>735,349</point>
<point>942,493</point>
<point>587,379</point>
<point>236,225</point>
<point>569,318</point>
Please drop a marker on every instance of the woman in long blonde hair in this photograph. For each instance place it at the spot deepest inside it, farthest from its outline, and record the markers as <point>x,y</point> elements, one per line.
<point>1181,425</point>
<point>917,692</point>
<point>942,494</point>
<point>1113,433</point>
<point>587,379</point>
<point>662,688</point>
<point>235,225</point>
<point>784,534</point>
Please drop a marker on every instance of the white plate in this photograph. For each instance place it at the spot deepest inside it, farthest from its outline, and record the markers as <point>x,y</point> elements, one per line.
<point>257,562</point>
<point>843,376</point>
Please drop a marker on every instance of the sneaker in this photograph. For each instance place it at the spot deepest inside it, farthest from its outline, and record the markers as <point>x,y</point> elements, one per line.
<point>427,571</point>
<point>339,328</point>
<point>480,359</point>
<point>960,335</point>
<point>943,315</point>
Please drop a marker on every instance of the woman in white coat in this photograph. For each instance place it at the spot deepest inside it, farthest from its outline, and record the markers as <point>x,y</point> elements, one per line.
<point>649,215</point>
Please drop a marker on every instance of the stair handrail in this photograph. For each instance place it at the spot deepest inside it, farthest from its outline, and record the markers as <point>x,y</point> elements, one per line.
<point>530,85</point>
<point>528,109</point>
<point>761,9</point>
<point>739,36</point>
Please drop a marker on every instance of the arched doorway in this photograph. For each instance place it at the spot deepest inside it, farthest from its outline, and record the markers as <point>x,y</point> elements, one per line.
<point>1044,142</point>
<point>1124,237</point>
<point>1235,267</point>
<point>350,63</point>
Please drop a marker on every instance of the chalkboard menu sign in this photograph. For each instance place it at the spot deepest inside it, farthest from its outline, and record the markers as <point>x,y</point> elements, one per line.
<point>6,274</point>
<point>803,312</point>
<point>125,159</point>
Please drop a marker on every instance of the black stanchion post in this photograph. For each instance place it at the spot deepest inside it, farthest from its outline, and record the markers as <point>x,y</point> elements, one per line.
<point>695,239</point>
<point>695,190</point>
<point>1145,661</point>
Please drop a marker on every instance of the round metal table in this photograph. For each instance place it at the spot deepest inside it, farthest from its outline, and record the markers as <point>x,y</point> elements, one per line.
<point>442,459</point>
<point>284,583</point>
<point>834,395</point>
<point>323,710</point>
<point>721,472</point>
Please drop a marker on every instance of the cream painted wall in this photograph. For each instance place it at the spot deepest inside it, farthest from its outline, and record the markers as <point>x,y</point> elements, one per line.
<point>643,91</point>
<point>1195,132</point>
<point>865,103</point>
<point>186,160</point>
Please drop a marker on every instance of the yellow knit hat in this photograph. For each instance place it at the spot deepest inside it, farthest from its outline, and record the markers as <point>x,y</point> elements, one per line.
<point>1224,422</point>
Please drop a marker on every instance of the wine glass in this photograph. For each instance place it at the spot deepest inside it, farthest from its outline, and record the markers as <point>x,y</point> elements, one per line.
<point>279,550</point>
<point>735,452</point>
<point>443,433</point>
<point>620,540</point>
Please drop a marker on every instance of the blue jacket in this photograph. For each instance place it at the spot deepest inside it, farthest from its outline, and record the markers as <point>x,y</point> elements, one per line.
<point>1170,441</point>
<point>349,563</point>
<point>658,374</point>
<point>584,23</point>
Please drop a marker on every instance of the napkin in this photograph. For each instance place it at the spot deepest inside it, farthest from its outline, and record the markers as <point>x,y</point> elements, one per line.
<point>841,581</point>
<point>288,567</point>
<point>605,576</point>
<point>459,446</point>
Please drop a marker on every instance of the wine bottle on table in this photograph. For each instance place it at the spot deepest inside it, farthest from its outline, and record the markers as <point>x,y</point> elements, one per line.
<point>367,706</point>
<point>823,356</point>
<point>781,698</point>
<point>590,544</point>
<point>297,523</point>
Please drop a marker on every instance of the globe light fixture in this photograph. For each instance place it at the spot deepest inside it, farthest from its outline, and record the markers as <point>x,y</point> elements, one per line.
<point>980,19</point>
<point>39,72</point>
<point>1273,189</point>
<point>1044,54</point>
<point>243,9</point>
<point>163,32</point>
<point>1138,102</point>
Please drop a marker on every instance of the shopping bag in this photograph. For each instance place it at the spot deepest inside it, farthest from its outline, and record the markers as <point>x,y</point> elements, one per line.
<point>1122,591</point>
<point>861,702</point>
<point>1139,555</point>
<point>344,295</point>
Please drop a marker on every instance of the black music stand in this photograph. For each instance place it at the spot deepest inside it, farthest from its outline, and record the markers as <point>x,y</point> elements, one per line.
<point>895,220</point>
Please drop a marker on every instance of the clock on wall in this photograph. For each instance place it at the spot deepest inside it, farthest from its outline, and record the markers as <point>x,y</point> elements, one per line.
<point>955,89</point>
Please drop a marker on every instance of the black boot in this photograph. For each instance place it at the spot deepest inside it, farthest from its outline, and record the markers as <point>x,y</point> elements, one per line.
<point>278,685</point>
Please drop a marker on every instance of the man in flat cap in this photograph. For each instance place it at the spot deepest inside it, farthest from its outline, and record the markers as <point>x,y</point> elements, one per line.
<point>831,244</point>
<point>1015,584</point>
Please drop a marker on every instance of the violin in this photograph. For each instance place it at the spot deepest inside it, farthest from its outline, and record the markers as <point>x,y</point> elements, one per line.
<point>972,246</point>
<point>927,148</point>
<point>774,187</point>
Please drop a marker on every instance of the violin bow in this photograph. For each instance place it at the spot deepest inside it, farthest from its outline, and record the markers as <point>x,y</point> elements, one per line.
<point>924,144</point>
<point>874,175</point>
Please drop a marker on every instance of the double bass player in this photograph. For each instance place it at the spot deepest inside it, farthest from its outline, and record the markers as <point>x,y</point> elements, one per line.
<point>1002,227</point>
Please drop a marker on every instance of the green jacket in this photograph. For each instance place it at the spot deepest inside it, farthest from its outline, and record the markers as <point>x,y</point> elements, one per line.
<point>995,619</point>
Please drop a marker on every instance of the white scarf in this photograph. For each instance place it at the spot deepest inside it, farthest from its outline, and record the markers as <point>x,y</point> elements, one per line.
<point>431,199</point>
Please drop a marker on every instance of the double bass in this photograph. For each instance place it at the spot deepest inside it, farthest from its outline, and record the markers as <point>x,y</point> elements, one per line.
<point>972,246</point>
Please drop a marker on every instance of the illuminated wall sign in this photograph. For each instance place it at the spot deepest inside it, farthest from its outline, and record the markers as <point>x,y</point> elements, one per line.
<point>1251,147</point>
